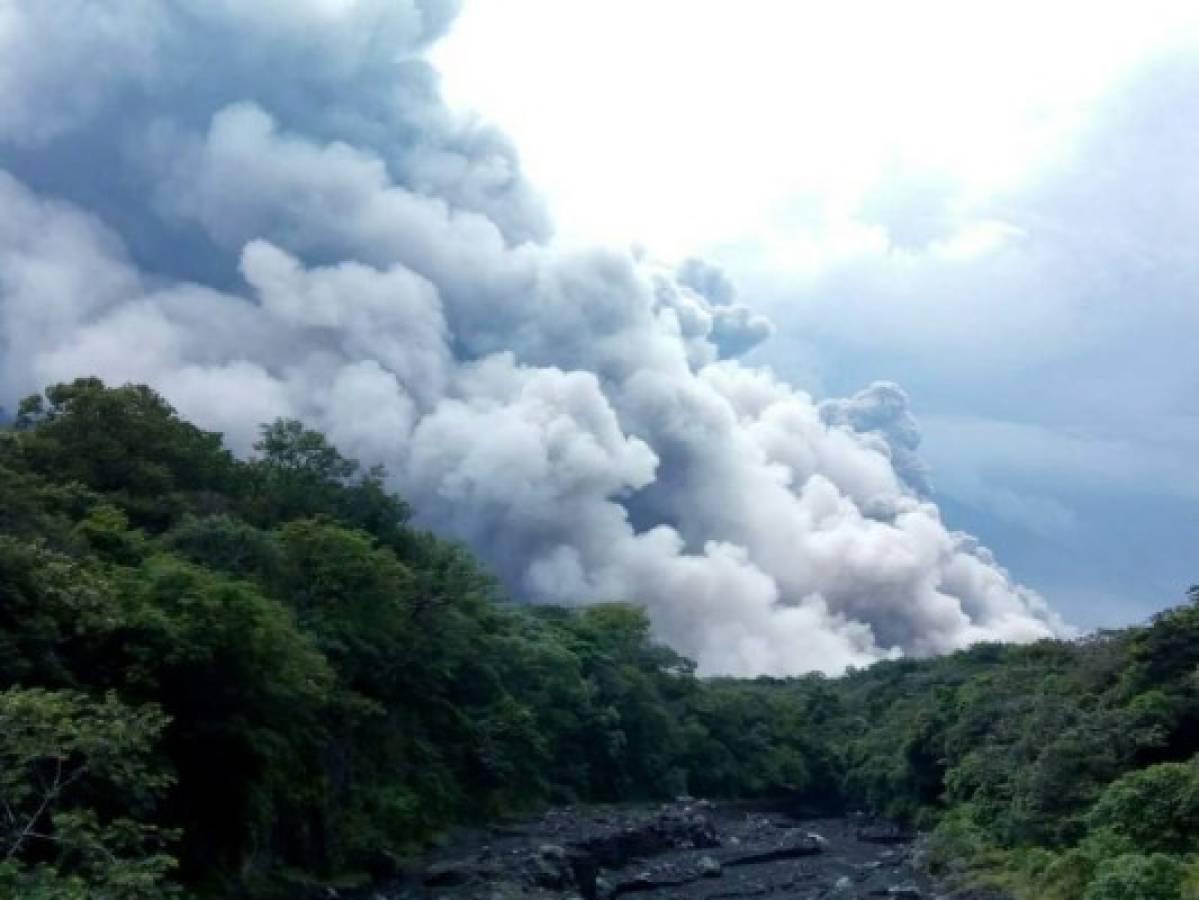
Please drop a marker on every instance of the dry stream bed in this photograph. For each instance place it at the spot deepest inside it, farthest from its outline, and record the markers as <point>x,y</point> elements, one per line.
<point>686,850</point>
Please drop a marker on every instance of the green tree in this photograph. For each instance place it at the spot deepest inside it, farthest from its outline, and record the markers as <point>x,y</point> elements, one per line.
<point>1152,877</point>
<point>78,787</point>
<point>299,474</point>
<point>1154,809</point>
<point>126,442</point>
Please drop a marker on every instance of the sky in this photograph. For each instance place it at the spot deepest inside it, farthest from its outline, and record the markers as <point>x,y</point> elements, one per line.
<point>826,337</point>
<point>993,206</point>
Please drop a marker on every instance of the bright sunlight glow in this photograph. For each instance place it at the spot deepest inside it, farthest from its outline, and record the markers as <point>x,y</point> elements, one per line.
<point>687,123</point>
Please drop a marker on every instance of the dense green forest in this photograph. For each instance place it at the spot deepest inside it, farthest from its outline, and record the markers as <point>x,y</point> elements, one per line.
<point>224,677</point>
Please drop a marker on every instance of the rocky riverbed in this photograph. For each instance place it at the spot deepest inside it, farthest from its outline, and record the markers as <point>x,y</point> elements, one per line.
<point>690,849</point>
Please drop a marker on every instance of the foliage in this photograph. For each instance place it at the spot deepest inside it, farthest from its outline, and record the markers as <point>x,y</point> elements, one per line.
<point>332,685</point>
<point>1056,771</point>
<point>249,677</point>
<point>1154,809</point>
<point>77,787</point>
<point>1153,877</point>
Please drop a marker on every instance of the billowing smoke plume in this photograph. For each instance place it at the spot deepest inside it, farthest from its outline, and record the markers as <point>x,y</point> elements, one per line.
<point>263,209</point>
<point>881,410</point>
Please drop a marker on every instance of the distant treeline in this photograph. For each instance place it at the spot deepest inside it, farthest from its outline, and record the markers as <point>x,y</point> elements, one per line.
<point>250,678</point>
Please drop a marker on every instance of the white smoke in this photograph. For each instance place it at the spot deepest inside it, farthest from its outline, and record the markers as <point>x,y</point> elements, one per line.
<point>263,209</point>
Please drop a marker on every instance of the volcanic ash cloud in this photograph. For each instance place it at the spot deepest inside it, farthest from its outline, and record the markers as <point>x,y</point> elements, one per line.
<point>266,210</point>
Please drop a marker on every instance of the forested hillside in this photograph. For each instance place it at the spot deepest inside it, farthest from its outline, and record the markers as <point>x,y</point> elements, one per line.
<point>251,677</point>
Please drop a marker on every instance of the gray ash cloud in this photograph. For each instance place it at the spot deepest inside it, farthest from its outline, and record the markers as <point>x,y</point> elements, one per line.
<point>266,210</point>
